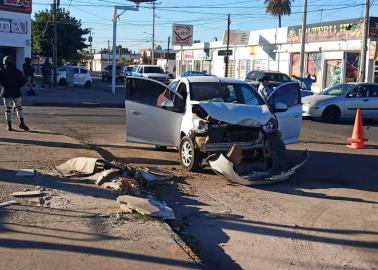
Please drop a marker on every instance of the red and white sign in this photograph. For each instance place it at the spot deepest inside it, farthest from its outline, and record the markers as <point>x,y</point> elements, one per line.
<point>182,35</point>
<point>24,6</point>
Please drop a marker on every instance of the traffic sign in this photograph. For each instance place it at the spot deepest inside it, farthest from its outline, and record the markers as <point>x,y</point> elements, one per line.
<point>182,34</point>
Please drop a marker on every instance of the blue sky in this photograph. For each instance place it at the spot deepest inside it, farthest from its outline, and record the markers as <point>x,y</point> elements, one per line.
<point>208,17</point>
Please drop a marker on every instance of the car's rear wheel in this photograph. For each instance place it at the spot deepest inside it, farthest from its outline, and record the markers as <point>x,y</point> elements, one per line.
<point>331,114</point>
<point>190,157</point>
<point>87,84</point>
<point>62,82</point>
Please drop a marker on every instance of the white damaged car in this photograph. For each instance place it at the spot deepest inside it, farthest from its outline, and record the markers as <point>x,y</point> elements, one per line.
<point>219,121</point>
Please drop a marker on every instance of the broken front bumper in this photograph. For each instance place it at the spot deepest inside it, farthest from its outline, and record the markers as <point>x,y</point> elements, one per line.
<point>226,168</point>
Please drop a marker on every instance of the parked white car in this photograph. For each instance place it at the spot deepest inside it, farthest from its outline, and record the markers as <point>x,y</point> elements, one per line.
<point>153,72</point>
<point>82,76</point>
<point>206,117</point>
<point>341,102</point>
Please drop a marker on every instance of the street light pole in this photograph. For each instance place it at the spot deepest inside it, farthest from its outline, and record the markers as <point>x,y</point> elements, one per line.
<point>153,35</point>
<point>364,43</point>
<point>303,39</point>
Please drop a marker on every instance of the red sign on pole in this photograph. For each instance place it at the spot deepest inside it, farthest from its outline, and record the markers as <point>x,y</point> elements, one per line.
<point>182,34</point>
<point>22,6</point>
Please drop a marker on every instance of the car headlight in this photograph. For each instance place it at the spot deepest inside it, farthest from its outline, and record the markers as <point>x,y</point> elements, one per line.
<point>200,125</point>
<point>270,126</point>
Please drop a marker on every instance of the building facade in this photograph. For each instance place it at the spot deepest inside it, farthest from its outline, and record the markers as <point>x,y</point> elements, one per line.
<point>332,53</point>
<point>15,29</point>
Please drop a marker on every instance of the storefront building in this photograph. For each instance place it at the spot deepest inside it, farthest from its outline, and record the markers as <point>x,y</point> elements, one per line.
<point>332,53</point>
<point>15,29</point>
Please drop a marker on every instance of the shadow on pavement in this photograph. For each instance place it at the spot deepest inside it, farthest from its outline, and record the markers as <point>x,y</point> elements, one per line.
<point>326,170</point>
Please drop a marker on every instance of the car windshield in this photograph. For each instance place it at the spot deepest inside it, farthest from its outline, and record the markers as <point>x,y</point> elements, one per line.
<point>337,90</point>
<point>278,77</point>
<point>153,70</point>
<point>225,92</point>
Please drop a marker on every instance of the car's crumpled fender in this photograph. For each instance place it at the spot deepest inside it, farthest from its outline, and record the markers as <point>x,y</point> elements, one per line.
<point>226,168</point>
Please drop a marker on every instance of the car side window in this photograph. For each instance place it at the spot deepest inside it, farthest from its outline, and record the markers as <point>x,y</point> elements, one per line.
<point>359,91</point>
<point>76,70</point>
<point>373,91</point>
<point>288,94</point>
<point>146,92</point>
<point>173,85</point>
<point>182,90</point>
<point>83,71</point>
<point>249,75</point>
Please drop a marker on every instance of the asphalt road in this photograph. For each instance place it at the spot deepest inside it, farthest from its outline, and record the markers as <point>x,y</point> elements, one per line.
<point>325,217</point>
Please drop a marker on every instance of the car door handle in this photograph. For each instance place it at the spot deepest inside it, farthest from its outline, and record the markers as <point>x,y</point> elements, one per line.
<point>134,112</point>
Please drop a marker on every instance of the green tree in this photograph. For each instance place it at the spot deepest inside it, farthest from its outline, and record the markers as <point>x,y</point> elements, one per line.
<point>70,36</point>
<point>278,8</point>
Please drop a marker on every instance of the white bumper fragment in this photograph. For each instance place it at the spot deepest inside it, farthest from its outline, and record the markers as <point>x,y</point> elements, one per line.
<point>226,168</point>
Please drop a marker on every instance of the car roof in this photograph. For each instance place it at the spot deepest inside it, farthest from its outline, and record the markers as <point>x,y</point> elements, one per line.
<point>214,79</point>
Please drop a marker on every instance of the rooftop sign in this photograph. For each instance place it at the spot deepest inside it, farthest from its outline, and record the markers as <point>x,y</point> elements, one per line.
<point>22,6</point>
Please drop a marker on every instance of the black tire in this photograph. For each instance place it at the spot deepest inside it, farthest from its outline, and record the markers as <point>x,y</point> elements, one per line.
<point>62,82</point>
<point>161,148</point>
<point>331,114</point>
<point>190,157</point>
<point>88,84</point>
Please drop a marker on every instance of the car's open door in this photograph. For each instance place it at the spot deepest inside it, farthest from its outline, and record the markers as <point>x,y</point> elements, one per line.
<point>289,118</point>
<point>151,116</point>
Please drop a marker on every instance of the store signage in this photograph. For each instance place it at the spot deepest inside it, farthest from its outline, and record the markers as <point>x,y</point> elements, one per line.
<point>237,37</point>
<point>13,26</point>
<point>5,25</point>
<point>23,6</point>
<point>182,35</point>
<point>337,30</point>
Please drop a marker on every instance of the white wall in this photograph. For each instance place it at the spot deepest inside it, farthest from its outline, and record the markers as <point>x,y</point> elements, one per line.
<point>22,42</point>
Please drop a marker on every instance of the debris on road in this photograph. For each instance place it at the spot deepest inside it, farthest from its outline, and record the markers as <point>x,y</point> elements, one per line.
<point>153,177</point>
<point>106,176</point>
<point>116,186</point>
<point>25,173</point>
<point>8,203</point>
<point>33,193</point>
<point>146,206</point>
<point>83,166</point>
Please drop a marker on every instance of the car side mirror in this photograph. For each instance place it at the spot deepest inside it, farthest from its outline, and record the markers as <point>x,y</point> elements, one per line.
<point>280,107</point>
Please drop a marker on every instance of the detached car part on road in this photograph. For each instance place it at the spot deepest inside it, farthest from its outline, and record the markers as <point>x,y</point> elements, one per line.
<point>215,119</point>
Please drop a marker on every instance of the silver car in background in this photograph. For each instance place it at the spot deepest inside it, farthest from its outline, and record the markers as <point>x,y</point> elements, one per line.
<point>341,101</point>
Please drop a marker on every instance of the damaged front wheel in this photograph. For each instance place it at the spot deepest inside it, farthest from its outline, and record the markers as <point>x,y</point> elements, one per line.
<point>190,157</point>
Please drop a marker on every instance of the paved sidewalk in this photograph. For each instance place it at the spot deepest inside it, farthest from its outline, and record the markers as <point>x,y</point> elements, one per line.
<point>77,227</point>
<point>74,96</point>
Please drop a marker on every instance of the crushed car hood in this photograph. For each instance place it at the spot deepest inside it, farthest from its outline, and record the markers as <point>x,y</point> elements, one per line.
<point>237,114</point>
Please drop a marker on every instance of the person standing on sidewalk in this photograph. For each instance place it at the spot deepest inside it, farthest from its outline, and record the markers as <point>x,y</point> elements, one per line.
<point>46,73</point>
<point>12,80</point>
<point>29,74</point>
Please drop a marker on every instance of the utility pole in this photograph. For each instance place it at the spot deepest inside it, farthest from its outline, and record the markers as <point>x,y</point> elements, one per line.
<point>55,45</point>
<point>303,39</point>
<point>228,45</point>
<point>153,34</point>
<point>364,42</point>
<point>108,52</point>
<point>167,56</point>
<point>90,39</point>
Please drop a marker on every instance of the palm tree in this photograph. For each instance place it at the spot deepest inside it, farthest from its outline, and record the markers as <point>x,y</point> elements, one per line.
<point>278,8</point>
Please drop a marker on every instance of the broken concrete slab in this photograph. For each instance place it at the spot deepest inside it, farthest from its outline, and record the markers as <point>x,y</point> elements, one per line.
<point>25,173</point>
<point>125,209</point>
<point>146,206</point>
<point>83,166</point>
<point>8,203</point>
<point>33,193</point>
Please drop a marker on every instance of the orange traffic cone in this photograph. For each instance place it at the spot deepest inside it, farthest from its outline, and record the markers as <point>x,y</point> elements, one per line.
<point>357,141</point>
